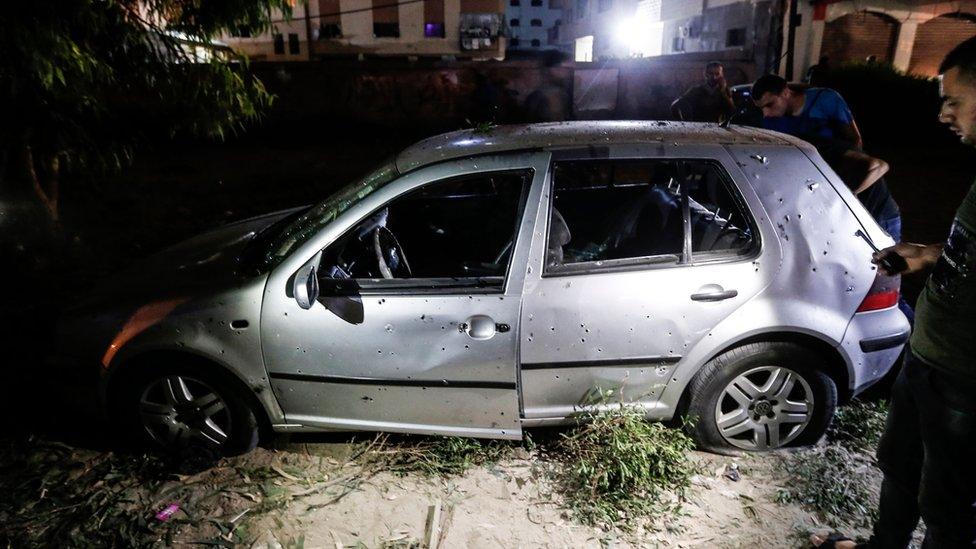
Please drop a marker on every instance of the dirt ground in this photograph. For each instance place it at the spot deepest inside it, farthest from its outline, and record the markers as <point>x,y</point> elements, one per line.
<point>315,494</point>
<point>511,504</point>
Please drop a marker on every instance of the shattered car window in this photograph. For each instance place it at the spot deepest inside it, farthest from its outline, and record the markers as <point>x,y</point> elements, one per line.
<point>312,221</point>
<point>634,211</point>
<point>718,221</point>
<point>615,210</point>
<point>462,228</point>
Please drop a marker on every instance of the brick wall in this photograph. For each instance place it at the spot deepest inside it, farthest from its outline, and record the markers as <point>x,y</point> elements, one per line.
<point>935,38</point>
<point>855,36</point>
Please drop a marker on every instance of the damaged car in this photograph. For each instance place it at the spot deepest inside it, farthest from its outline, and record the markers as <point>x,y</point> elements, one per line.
<point>484,282</point>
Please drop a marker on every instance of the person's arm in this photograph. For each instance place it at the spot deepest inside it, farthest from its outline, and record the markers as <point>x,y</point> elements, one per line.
<point>873,169</point>
<point>918,257</point>
<point>845,118</point>
<point>853,134</point>
<point>677,108</point>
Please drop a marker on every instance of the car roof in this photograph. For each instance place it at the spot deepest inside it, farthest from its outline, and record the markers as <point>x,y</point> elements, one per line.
<point>557,135</point>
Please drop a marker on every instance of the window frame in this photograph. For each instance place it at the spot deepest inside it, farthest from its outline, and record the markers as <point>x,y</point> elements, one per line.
<point>435,285</point>
<point>688,258</point>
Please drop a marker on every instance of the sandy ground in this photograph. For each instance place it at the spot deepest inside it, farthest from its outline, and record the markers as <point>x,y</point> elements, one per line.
<point>513,504</point>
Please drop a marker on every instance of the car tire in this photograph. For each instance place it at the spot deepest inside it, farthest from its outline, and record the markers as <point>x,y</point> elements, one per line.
<point>211,417</point>
<point>760,397</point>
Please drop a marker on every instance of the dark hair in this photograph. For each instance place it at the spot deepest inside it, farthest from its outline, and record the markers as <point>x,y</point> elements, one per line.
<point>962,56</point>
<point>768,83</point>
<point>713,64</point>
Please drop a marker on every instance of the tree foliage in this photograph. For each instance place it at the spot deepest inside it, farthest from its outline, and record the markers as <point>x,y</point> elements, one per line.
<point>83,82</point>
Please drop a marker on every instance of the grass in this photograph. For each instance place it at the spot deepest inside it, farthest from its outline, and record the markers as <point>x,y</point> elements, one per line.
<point>621,468</point>
<point>833,481</point>
<point>839,480</point>
<point>445,456</point>
<point>859,425</point>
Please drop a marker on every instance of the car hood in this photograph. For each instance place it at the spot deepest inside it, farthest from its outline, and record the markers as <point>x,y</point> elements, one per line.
<point>194,267</point>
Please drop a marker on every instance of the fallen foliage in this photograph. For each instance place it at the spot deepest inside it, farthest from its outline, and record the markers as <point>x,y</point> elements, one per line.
<point>620,468</point>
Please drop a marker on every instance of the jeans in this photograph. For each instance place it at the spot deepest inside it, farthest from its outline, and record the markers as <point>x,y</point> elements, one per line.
<point>928,457</point>
<point>892,226</point>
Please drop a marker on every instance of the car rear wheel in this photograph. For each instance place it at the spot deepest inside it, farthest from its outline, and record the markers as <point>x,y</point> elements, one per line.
<point>187,411</point>
<point>761,397</point>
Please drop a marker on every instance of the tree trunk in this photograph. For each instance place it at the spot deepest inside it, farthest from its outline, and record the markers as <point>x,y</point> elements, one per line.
<point>45,191</point>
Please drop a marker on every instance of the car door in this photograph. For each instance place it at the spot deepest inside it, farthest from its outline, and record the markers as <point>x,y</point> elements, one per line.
<point>646,249</point>
<point>415,328</point>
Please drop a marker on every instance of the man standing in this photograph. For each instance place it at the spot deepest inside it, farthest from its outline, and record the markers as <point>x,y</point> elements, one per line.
<point>708,102</point>
<point>928,450</point>
<point>805,112</point>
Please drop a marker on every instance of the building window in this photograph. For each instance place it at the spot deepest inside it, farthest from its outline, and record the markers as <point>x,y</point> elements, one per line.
<point>584,49</point>
<point>279,44</point>
<point>514,42</point>
<point>513,23</point>
<point>536,43</point>
<point>293,47</point>
<point>433,30</point>
<point>580,9</point>
<point>329,30</point>
<point>735,38</point>
<point>536,22</point>
<point>514,3</point>
<point>434,19</point>
<point>605,5</point>
<point>678,44</point>
<point>240,32</point>
<point>537,3</point>
<point>386,30</point>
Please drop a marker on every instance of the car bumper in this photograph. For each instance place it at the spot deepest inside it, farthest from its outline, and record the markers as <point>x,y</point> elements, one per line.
<point>872,344</point>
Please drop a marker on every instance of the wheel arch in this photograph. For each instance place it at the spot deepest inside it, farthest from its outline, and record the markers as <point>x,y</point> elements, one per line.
<point>834,364</point>
<point>124,371</point>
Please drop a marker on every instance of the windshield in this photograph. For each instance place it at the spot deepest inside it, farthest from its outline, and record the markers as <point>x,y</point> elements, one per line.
<point>310,222</point>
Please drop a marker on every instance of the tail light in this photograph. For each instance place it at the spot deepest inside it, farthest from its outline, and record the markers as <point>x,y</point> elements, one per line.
<point>883,293</point>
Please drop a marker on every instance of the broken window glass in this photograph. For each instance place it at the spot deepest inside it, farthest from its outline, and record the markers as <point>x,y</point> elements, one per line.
<point>459,229</point>
<point>626,212</point>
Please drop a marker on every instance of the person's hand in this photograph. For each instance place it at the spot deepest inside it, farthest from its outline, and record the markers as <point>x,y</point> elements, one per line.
<point>917,257</point>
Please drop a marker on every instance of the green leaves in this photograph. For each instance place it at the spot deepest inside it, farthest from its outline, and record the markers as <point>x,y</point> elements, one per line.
<point>91,80</point>
<point>621,468</point>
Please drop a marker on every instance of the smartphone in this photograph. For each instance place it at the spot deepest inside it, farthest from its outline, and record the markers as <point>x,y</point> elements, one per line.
<point>891,262</point>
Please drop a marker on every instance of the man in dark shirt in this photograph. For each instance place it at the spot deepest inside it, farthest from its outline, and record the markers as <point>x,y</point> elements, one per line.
<point>708,102</point>
<point>928,450</point>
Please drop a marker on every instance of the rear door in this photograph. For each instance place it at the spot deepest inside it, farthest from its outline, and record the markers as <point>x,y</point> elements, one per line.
<point>427,342</point>
<point>645,251</point>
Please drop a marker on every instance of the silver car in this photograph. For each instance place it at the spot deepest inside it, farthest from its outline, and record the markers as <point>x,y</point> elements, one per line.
<point>484,282</point>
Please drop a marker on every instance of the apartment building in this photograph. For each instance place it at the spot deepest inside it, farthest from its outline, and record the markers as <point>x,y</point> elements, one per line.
<point>465,29</point>
<point>534,25</point>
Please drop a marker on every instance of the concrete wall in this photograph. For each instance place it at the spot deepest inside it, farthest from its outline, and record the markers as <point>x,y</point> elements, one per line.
<point>443,95</point>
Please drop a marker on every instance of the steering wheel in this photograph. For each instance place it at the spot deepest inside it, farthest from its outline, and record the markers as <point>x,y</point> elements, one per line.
<point>389,254</point>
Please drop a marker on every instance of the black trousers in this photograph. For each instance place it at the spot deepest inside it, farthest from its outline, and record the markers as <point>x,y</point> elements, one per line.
<point>928,456</point>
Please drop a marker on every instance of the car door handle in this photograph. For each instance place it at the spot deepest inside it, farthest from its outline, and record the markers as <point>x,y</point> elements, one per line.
<point>714,293</point>
<point>481,327</point>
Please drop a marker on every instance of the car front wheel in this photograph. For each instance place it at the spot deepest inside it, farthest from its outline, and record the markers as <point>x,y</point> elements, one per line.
<point>760,397</point>
<point>187,411</point>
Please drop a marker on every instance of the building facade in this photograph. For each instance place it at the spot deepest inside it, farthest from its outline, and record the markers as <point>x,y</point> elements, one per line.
<point>616,29</point>
<point>534,25</point>
<point>466,29</point>
<point>911,35</point>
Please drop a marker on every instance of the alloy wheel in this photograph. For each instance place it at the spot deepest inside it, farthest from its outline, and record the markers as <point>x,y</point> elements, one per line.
<point>764,408</point>
<point>177,411</point>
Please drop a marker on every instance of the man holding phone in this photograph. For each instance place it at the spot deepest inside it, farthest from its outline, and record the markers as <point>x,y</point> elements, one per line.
<point>928,450</point>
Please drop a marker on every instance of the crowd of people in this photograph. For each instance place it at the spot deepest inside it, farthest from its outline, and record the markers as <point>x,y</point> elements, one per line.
<point>928,450</point>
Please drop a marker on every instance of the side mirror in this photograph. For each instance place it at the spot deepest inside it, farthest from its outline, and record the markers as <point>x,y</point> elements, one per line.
<point>305,286</point>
